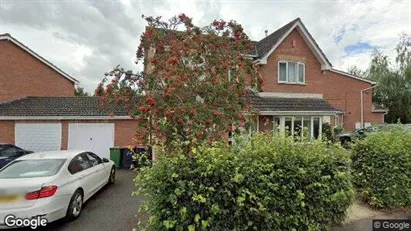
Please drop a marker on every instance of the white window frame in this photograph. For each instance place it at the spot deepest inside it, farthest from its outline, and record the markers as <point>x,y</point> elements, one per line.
<point>336,121</point>
<point>301,118</point>
<point>297,64</point>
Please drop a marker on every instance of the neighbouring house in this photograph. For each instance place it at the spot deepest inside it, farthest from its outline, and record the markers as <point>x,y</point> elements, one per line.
<point>38,109</point>
<point>25,73</point>
<point>302,89</point>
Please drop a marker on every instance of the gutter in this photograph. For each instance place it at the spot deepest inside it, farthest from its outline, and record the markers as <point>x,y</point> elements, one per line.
<point>65,117</point>
<point>295,113</point>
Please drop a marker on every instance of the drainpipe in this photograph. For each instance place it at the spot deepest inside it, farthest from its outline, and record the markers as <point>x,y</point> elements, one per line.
<point>362,104</point>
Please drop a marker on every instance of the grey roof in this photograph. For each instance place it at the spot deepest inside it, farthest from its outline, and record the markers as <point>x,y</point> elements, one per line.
<point>289,104</point>
<point>264,45</point>
<point>379,108</point>
<point>60,106</point>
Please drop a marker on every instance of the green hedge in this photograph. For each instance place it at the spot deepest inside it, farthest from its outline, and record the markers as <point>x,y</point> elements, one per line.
<point>273,183</point>
<point>382,168</point>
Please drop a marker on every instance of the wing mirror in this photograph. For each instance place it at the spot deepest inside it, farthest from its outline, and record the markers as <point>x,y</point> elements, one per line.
<point>105,160</point>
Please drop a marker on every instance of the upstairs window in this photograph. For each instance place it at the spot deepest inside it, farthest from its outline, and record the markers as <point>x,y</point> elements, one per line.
<point>291,72</point>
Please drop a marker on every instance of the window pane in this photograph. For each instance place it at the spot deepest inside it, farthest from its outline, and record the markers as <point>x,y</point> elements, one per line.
<point>288,125</point>
<point>93,161</point>
<point>32,168</point>
<point>301,73</point>
<point>8,151</point>
<point>283,72</point>
<point>78,164</point>
<point>276,124</point>
<point>292,75</point>
<point>307,127</point>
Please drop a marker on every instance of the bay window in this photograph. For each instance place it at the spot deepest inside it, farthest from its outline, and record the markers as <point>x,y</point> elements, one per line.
<point>299,126</point>
<point>291,72</point>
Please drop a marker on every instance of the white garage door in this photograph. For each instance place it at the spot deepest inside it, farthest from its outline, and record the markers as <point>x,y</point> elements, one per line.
<point>38,136</point>
<point>95,137</point>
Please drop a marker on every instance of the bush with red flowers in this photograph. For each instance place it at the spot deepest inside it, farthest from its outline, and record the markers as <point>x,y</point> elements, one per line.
<point>187,92</point>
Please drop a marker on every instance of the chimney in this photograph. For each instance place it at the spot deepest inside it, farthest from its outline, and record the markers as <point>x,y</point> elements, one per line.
<point>266,33</point>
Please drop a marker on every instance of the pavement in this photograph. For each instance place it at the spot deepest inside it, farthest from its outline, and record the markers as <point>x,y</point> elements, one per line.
<point>360,217</point>
<point>111,209</point>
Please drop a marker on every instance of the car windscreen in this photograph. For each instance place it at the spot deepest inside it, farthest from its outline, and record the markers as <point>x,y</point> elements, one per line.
<point>32,168</point>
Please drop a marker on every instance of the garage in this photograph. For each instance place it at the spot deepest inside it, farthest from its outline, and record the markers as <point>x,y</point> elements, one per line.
<point>38,136</point>
<point>95,137</point>
<point>60,123</point>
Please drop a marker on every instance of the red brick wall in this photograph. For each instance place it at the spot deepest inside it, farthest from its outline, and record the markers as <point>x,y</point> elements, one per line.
<point>340,91</point>
<point>7,131</point>
<point>123,133</point>
<point>21,75</point>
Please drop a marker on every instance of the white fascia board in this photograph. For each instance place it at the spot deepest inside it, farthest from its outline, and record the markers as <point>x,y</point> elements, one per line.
<point>353,76</point>
<point>325,65</point>
<point>298,113</point>
<point>290,95</point>
<point>65,117</point>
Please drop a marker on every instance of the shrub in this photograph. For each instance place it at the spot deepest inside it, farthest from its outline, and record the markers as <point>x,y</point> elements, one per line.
<point>337,130</point>
<point>270,183</point>
<point>382,168</point>
<point>142,158</point>
<point>327,132</point>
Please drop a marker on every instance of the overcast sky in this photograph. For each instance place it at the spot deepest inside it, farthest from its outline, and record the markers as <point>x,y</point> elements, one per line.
<point>88,38</point>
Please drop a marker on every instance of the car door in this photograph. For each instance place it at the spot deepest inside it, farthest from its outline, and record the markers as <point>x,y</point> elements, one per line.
<point>98,170</point>
<point>80,166</point>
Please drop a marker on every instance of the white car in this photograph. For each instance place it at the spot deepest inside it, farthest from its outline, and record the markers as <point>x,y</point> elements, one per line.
<point>52,185</point>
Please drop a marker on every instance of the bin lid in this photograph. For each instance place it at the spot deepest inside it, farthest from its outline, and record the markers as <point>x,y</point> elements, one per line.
<point>115,147</point>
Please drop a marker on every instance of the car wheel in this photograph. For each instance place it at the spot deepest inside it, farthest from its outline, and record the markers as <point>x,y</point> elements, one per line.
<point>75,206</point>
<point>112,176</point>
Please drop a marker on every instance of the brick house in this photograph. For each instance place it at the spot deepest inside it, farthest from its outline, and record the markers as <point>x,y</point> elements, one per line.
<point>38,109</point>
<point>25,73</point>
<point>301,89</point>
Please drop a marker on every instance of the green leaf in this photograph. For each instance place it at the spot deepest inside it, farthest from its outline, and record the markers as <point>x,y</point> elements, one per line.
<point>183,212</point>
<point>191,228</point>
<point>204,224</point>
<point>197,218</point>
<point>174,175</point>
<point>169,224</point>
<point>215,209</point>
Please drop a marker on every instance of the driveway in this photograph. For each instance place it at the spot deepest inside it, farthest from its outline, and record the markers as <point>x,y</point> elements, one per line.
<point>112,208</point>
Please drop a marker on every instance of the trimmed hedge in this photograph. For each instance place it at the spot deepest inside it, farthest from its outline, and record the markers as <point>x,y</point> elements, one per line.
<point>382,168</point>
<point>273,183</point>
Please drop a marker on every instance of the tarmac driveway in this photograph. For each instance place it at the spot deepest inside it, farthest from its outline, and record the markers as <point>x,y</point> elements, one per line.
<point>112,208</point>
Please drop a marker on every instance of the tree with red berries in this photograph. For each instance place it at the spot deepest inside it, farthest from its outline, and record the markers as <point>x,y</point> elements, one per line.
<point>194,82</point>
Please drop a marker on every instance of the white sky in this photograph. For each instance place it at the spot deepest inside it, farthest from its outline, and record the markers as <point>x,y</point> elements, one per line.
<point>88,38</point>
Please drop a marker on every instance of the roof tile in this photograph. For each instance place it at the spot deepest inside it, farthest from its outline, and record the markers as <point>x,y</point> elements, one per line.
<point>60,106</point>
<point>289,104</point>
